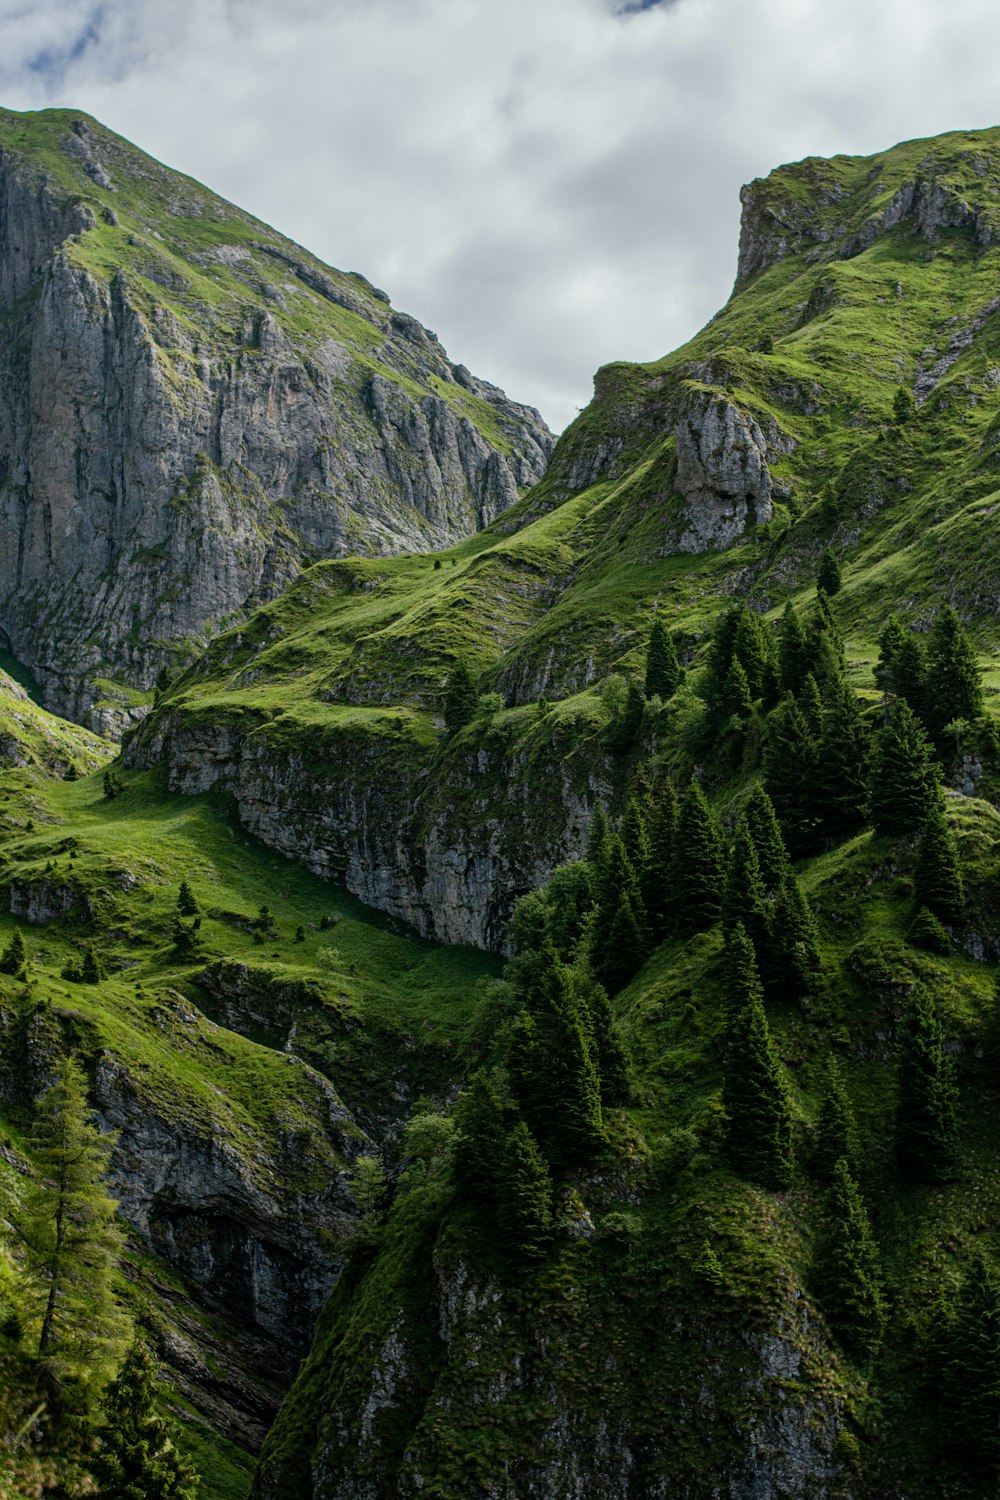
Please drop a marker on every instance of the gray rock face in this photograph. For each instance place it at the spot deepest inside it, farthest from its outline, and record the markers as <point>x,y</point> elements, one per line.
<point>722,473</point>
<point>184,420</point>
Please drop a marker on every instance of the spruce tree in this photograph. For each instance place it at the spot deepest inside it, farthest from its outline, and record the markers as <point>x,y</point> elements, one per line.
<point>623,728</point>
<point>835,1129</point>
<point>937,880</point>
<point>736,699</point>
<point>926,1127</point>
<point>790,767</point>
<point>926,932</point>
<point>762,822</point>
<point>15,955</point>
<point>910,672</point>
<point>552,1067</point>
<point>136,1458</point>
<point>597,839</point>
<point>71,1241</point>
<point>697,878</point>
<point>971,1386</point>
<point>842,762</point>
<point>828,573</point>
<point>742,977</point>
<point>607,1049</point>
<point>954,687</point>
<point>634,836</point>
<point>890,643</point>
<point>657,880</point>
<point>524,1195</point>
<point>618,939</point>
<point>460,699</point>
<point>663,670</point>
<point>793,651</point>
<point>811,705</point>
<point>752,648</point>
<point>903,406</point>
<point>791,950</point>
<point>569,899</point>
<point>758,1114</point>
<point>92,970</point>
<point>479,1139</point>
<point>186,904</point>
<point>903,781</point>
<point>848,1274</point>
<point>744,897</point>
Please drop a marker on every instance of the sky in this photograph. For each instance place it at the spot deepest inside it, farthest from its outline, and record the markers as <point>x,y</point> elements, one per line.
<point>550,185</point>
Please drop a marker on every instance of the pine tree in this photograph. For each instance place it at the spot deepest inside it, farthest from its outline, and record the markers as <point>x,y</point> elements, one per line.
<point>971,1394</point>
<point>460,699</point>
<point>926,932</point>
<point>479,1139</point>
<point>903,406</point>
<point>753,650</point>
<point>848,1274</point>
<point>15,955</point>
<point>607,1049</point>
<point>744,898</point>
<point>92,970</point>
<point>903,782</point>
<point>736,699</point>
<point>626,721</point>
<point>635,837</point>
<point>842,762</point>
<point>553,1072</point>
<point>524,1195</point>
<point>759,1119</point>
<point>835,1129</point>
<point>618,940</point>
<point>657,884</point>
<point>954,688</point>
<point>71,1240</point>
<point>926,1128</point>
<point>937,880</point>
<point>910,672</point>
<point>136,1458</point>
<point>597,839</point>
<point>186,904</point>
<point>890,644</point>
<point>828,573</point>
<point>570,899</point>
<point>811,705</point>
<point>762,822</point>
<point>697,877</point>
<point>742,978</point>
<point>663,670</point>
<point>793,651</point>
<point>790,773</point>
<point>792,958</point>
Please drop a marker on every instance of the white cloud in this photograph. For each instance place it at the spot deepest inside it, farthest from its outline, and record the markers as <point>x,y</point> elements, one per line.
<point>548,184</point>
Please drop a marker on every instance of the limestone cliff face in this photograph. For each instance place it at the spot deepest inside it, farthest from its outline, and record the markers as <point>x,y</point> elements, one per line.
<point>191,406</point>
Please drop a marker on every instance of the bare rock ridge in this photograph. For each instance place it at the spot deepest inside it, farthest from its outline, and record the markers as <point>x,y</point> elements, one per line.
<point>192,407</point>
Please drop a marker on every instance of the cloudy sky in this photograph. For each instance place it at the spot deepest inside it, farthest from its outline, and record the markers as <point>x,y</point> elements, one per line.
<point>549,184</point>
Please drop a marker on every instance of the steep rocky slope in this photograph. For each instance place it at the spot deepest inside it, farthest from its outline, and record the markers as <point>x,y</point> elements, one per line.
<point>723,468</point>
<point>191,407</point>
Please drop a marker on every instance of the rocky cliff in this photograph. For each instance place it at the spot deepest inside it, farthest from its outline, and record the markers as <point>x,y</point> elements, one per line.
<point>191,407</point>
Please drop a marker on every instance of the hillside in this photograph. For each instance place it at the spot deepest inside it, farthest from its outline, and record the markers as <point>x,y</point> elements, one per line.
<point>733,1232</point>
<point>195,407</point>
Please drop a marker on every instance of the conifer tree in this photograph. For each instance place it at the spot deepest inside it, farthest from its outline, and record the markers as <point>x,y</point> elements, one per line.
<point>762,822</point>
<point>835,1129</point>
<point>92,970</point>
<point>793,651</point>
<point>552,1068</point>
<point>626,720</point>
<point>848,1274</point>
<point>971,1394</point>
<point>569,899</point>
<point>792,958</point>
<point>697,873</point>
<point>524,1195</point>
<point>926,1128</point>
<point>663,670</point>
<point>910,672</point>
<point>460,699</point>
<point>597,839</point>
<point>903,406</point>
<point>657,879</point>
<point>736,699</point>
<point>607,1049</point>
<point>618,939</point>
<point>753,650</point>
<point>634,835</point>
<point>926,932</point>
<point>742,977</point>
<point>15,955</point>
<point>67,1226</point>
<point>828,573</point>
<point>479,1139</point>
<point>890,644</point>
<point>954,687</point>
<point>136,1458</point>
<point>790,765</point>
<point>937,880</point>
<point>744,898</point>
<point>186,904</point>
<point>903,782</point>
<point>759,1119</point>
<point>811,705</point>
<point>842,762</point>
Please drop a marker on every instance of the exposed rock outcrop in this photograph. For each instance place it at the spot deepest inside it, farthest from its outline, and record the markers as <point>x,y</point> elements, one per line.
<point>722,472</point>
<point>190,407</point>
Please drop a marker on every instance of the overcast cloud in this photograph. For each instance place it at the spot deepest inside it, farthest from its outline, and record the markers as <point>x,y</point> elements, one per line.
<point>549,184</point>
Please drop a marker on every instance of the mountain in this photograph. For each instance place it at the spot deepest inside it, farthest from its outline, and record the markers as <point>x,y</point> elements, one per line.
<point>722,469</point>
<point>192,408</point>
<point>521,1238</point>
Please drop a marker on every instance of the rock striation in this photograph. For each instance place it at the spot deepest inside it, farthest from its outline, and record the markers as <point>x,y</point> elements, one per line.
<point>191,407</point>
